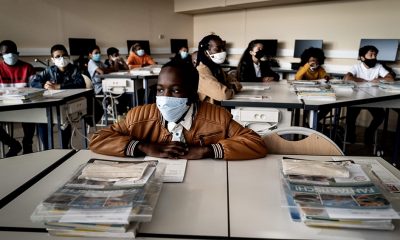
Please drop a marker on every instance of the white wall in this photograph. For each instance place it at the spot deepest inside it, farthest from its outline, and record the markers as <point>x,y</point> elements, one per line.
<point>341,24</point>
<point>36,25</point>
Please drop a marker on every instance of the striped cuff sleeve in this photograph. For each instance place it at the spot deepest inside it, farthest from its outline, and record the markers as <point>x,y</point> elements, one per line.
<point>218,151</point>
<point>130,149</point>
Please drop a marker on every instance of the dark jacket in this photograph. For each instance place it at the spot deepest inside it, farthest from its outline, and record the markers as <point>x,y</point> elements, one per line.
<point>69,79</point>
<point>247,73</point>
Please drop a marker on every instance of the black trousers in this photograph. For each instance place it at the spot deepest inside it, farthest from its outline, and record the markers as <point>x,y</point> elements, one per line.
<point>378,116</point>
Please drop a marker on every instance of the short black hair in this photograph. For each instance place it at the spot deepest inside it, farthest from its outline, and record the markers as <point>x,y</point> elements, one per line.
<point>317,53</point>
<point>190,74</point>
<point>92,48</point>
<point>111,51</point>
<point>363,50</point>
<point>11,46</point>
<point>58,47</point>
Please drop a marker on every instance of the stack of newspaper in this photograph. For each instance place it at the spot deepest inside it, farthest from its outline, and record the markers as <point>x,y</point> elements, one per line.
<point>342,85</point>
<point>312,90</point>
<point>295,85</point>
<point>335,194</point>
<point>103,199</point>
<point>20,95</point>
<point>320,93</point>
<point>389,86</point>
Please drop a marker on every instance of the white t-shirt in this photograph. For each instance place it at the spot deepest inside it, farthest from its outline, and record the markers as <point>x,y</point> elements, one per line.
<point>92,66</point>
<point>359,70</point>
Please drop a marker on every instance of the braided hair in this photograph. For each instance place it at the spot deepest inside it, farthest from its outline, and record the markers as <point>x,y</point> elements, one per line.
<point>204,45</point>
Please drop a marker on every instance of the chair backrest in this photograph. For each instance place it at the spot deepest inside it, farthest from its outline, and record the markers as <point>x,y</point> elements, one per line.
<point>88,81</point>
<point>315,143</point>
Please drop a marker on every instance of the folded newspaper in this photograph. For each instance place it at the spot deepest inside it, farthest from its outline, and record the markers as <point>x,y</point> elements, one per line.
<point>106,171</point>
<point>314,168</point>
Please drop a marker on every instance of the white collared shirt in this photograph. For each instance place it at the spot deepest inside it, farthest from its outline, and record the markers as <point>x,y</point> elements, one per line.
<point>257,68</point>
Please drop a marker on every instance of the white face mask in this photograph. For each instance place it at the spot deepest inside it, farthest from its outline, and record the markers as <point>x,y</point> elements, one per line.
<point>313,68</point>
<point>172,108</point>
<point>61,62</point>
<point>140,52</point>
<point>10,58</point>
<point>217,58</point>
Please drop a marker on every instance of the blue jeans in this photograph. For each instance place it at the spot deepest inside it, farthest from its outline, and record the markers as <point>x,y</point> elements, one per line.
<point>66,136</point>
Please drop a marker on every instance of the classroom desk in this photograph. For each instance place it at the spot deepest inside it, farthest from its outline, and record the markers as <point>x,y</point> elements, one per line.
<point>198,207</point>
<point>41,111</point>
<point>360,96</point>
<point>256,205</point>
<point>134,78</point>
<point>20,172</point>
<point>277,96</point>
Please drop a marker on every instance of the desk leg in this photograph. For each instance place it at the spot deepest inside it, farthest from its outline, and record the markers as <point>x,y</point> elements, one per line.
<point>395,161</point>
<point>135,98</point>
<point>314,119</point>
<point>146,89</point>
<point>336,118</point>
<point>60,132</point>
<point>50,139</point>
<point>85,143</point>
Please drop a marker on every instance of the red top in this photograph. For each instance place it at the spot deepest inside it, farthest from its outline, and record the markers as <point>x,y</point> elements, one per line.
<point>16,75</point>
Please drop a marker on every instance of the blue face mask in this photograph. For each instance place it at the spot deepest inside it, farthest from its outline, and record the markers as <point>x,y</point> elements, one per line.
<point>96,57</point>
<point>184,54</point>
<point>140,52</point>
<point>172,108</point>
<point>10,58</point>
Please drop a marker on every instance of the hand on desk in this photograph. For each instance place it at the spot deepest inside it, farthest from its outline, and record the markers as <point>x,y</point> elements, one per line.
<point>51,86</point>
<point>174,150</point>
<point>268,79</point>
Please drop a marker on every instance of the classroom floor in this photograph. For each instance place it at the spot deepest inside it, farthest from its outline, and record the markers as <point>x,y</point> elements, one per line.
<point>385,140</point>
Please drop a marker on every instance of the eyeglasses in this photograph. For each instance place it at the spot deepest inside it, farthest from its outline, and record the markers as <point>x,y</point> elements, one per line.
<point>61,56</point>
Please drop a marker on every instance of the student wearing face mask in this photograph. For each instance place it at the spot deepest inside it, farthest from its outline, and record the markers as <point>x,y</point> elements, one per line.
<point>214,84</point>
<point>62,75</point>
<point>367,70</point>
<point>183,55</point>
<point>15,73</point>
<point>138,57</point>
<point>96,67</point>
<point>311,61</point>
<point>114,60</point>
<point>178,125</point>
<point>253,65</point>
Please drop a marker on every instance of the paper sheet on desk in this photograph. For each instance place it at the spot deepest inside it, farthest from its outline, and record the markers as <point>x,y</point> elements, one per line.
<point>259,88</point>
<point>52,92</point>
<point>175,168</point>
<point>251,97</point>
